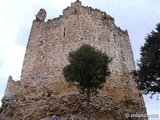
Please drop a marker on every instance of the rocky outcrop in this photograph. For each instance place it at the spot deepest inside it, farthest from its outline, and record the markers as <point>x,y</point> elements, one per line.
<point>43,94</point>
<point>42,102</point>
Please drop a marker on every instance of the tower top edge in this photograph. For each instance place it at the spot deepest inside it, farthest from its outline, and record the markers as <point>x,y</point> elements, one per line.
<point>77,8</point>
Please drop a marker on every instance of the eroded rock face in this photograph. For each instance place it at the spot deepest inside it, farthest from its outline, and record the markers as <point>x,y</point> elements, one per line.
<point>42,91</point>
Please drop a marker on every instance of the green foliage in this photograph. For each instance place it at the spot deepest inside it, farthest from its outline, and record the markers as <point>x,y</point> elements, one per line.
<point>148,72</point>
<point>88,68</point>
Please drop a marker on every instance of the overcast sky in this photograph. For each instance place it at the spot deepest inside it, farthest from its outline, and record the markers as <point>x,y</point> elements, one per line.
<point>139,17</point>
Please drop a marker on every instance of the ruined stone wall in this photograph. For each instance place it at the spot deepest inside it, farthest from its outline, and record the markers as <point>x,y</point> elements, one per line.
<point>11,88</point>
<point>51,41</point>
<point>42,89</point>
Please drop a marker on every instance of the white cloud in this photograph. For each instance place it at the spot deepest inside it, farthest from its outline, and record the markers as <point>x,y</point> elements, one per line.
<point>153,106</point>
<point>4,3</point>
<point>11,55</point>
<point>8,49</point>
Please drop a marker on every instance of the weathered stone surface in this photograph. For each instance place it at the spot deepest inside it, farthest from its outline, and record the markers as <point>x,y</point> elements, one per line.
<point>12,87</point>
<point>42,91</point>
<point>41,15</point>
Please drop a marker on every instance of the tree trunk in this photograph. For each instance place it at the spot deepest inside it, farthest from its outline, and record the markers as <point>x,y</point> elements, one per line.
<point>88,104</point>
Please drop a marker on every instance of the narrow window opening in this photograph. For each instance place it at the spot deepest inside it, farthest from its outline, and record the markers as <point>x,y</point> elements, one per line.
<point>75,11</point>
<point>114,38</point>
<point>64,34</point>
<point>41,42</point>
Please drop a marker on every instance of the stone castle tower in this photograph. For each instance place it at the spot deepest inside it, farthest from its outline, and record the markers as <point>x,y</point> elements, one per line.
<point>42,91</point>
